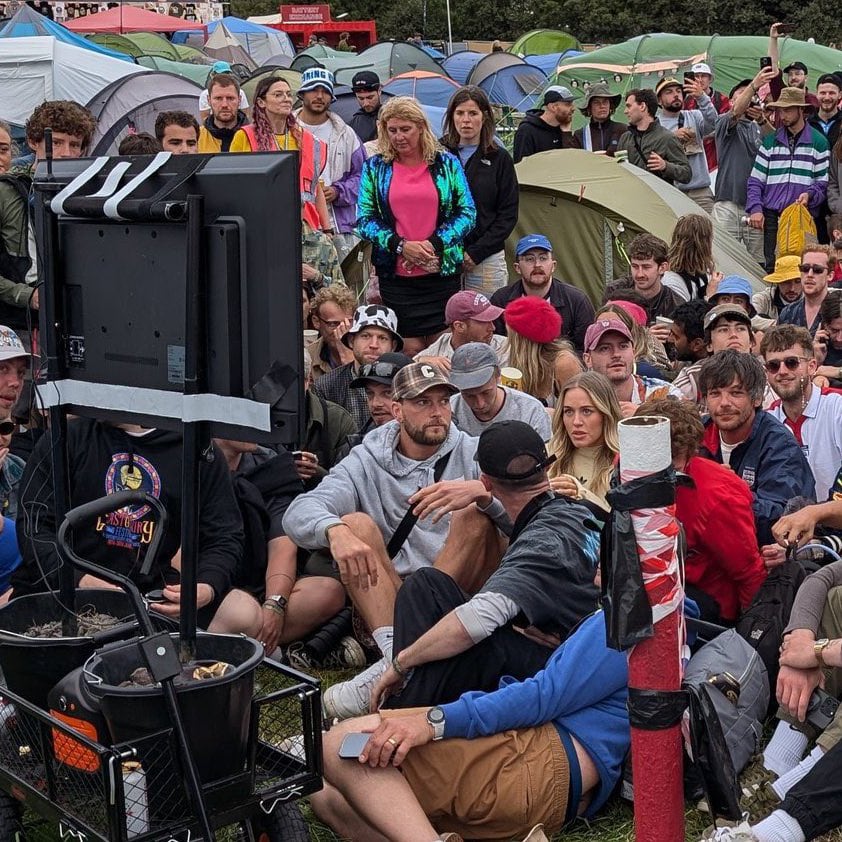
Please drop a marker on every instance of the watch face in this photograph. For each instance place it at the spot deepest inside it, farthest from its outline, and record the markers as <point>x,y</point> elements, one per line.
<point>435,715</point>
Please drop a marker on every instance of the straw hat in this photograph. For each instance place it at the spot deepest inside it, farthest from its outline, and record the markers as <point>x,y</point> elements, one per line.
<point>790,98</point>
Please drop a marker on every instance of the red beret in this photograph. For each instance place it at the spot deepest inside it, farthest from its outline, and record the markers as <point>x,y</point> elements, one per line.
<point>533,318</point>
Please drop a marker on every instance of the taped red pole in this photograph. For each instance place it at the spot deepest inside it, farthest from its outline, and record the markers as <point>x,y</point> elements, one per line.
<point>655,664</point>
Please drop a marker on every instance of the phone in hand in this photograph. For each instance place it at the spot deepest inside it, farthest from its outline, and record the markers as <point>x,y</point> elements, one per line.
<point>765,61</point>
<point>786,28</point>
<point>689,76</point>
<point>353,744</point>
<point>821,709</point>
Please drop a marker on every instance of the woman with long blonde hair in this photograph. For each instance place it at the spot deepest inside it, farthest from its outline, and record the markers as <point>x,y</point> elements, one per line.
<point>585,441</point>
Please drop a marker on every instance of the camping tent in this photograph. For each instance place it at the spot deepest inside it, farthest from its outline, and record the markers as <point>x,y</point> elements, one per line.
<point>139,44</point>
<point>641,61</point>
<point>584,203</point>
<point>197,73</point>
<point>293,78</point>
<point>128,18</point>
<point>260,42</point>
<point>517,86</point>
<point>36,69</point>
<point>549,62</point>
<point>222,46</point>
<point>541,41</point>
<point>28,23</point>
<point>132,105</point>
<point>459,65</point>
<point>491,63</point>
<point>427,88</point>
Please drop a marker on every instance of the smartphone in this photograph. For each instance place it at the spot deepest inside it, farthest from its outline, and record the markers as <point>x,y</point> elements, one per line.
<point>786,28</point>
<point>765,61</point>
<point>353,744</point>
<point>821,709</point>
<point>689,75</point>
<point>298,455</point>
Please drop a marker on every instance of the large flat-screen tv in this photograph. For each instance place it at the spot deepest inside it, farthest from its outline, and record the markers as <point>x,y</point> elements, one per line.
<point>120,293</point>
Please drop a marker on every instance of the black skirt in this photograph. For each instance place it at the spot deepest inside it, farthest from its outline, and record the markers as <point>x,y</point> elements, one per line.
<point>419,301</point>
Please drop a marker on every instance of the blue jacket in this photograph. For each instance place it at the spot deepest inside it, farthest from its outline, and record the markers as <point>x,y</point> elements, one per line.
<point>583,690</point>
<point>772,465</point>
<point>456,217</point>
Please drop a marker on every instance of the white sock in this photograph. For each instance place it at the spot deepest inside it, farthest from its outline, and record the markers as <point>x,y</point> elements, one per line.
<point>779,827</point>
<point>788,780</point>
<point>383,638</point>
<point>785,749</point>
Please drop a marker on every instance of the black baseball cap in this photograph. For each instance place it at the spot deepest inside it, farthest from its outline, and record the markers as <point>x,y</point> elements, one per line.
<point>504,442</point>
<point>796,65</point>
<point>829,79</point>
<point>382,371</point>
<point>365,80</point>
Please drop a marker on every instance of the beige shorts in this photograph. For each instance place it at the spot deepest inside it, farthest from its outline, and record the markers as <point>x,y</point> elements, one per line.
<point>494,787</point>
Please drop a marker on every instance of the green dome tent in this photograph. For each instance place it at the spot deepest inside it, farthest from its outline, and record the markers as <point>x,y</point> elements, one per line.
<point>585,203</point>
<point>197,73</point>
<point>643,60</point>
<point>149,44</point>
<point>543,41</point>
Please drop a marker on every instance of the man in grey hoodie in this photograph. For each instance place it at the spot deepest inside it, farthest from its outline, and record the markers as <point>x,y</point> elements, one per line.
<point>419,459</point>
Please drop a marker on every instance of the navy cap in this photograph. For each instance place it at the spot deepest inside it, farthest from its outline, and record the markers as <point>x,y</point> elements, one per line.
<point>532,241</point>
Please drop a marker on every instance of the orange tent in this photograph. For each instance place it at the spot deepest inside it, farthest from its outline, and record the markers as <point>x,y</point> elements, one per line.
<point>128,18</point>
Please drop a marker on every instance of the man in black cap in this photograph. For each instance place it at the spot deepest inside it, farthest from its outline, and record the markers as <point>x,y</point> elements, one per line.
<point>446,642</point>
<point>366,88</point>
<point>602,133</point>
<point>543,129</point>
<point>828,118</point>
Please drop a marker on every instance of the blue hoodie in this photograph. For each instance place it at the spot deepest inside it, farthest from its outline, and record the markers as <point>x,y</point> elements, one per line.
<point>582,690</point>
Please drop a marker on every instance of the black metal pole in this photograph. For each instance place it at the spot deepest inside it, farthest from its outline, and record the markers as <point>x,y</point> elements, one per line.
<point>53,362</point>
<point>196,440</point>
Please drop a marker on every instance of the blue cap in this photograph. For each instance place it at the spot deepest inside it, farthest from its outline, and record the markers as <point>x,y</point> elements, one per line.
<point>220,67</point>
<point>316,77</point>
<point>532,241</point>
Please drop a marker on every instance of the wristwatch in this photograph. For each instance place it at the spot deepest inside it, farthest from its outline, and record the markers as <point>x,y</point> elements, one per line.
<point>276,602</point>
<point>818,648</point>
<point>399,248</point>
<point>435,716</point>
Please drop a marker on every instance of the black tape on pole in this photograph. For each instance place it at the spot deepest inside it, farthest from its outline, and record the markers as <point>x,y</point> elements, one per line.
<point>656,710</point>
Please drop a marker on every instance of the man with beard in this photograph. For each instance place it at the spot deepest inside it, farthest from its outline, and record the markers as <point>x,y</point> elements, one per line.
<point>359,513</point>
<point>549,128</point>
<point>814,415</point>
<point>649,261</point>
<point>218,130</point>
<point>791,167</point>
<point>690,127</point>
<point>737,138</point>
<point>366,88</point>
<point>14,363</point>
<point>687,335</point>
<point>602,133</point>
<point>817,265</point>
<point>609,350</point>
<point>535,264</point>
<point>754,444</point>
<point>784,287</point>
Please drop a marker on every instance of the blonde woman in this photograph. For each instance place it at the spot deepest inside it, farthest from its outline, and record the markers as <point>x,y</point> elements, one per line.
<point>533,326</point>
<point>585,440</point>
<point>416,208</point>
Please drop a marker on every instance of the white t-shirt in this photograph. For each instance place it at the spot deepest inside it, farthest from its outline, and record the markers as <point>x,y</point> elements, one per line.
<point>517,406</point>
<point>727,450</point>
<point>204,105</point>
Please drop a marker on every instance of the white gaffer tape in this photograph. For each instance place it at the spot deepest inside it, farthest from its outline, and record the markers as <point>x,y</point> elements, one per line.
<point>156,402</point>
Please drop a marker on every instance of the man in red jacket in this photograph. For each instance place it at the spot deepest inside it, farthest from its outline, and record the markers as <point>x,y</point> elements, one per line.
<point>723,566</point>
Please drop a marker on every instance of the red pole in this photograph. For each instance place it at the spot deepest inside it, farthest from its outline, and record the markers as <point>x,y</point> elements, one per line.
<point>655,664</point>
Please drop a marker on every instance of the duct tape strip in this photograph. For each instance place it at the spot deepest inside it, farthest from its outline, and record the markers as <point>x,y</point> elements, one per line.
<point>656,710</point>
<point>156,402</point>
<point>57,203</point>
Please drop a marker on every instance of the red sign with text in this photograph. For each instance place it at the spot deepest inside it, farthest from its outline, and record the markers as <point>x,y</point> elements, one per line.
<point>305,14</point>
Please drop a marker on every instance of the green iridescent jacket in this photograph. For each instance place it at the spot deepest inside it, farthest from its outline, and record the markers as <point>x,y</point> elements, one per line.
<point>456,217</point>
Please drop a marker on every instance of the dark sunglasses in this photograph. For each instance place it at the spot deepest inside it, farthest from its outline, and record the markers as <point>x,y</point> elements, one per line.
<point>791,363</point>
<point>7,428</point>
<point>812,267</point>
<point>380,370</point>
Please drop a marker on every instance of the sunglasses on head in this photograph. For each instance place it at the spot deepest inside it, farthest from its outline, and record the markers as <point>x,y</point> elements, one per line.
<point>812,267</point>
<point>7,428</point>
<point>380,370</point>
<point>791,363</point>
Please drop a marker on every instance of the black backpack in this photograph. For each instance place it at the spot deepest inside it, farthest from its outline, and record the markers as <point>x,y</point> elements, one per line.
<point>763,622</point>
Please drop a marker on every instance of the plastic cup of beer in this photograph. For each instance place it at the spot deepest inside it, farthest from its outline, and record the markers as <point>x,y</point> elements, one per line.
<point>511,377</point>
<point>310,336</point>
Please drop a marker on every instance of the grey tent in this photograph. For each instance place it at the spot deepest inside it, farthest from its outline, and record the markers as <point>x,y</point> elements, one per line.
<point>491,64</point>
<point>132,104</point>
<point>223,46</point>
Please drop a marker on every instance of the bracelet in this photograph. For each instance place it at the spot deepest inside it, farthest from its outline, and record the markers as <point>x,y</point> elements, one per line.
<point>398,668</point>
<point>275,575</point>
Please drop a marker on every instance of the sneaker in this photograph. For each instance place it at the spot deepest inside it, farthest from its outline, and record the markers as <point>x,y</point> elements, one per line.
<point>741,832</point>
<point>348,654</point>
<point>353,697</point>
<point>757,797</point>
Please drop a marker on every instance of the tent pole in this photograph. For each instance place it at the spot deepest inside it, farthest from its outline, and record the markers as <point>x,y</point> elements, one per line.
<point>449,30</point>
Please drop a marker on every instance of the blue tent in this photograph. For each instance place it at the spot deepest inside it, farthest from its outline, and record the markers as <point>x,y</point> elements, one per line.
<point>428,88</point>
<point>459,65</point>
<point>549,62</point>
<point>28,23</point>
<point>517,86</point>
<point>260,42</point>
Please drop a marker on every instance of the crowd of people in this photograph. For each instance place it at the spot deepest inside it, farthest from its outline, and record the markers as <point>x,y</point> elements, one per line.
<point>461,437</point>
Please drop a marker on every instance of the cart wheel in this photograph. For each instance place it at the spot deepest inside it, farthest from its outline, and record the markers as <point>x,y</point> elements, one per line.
<point>284,824</point>
<point>11,828</point>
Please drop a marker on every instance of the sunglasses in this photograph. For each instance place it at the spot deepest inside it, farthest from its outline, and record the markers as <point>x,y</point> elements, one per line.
<point>380,370</point>
<point>812,267</point>
<point>7,428</point>
<point>791,363</point>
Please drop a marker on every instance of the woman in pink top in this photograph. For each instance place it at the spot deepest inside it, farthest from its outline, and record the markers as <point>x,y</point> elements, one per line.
<point>416,209</point>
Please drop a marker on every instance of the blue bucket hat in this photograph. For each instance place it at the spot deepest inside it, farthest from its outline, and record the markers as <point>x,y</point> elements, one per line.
<point>316,77</point>
<point>735,285</point>
<point>532,241</point>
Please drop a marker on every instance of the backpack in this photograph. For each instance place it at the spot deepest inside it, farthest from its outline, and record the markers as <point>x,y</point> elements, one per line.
<point>763,622</point>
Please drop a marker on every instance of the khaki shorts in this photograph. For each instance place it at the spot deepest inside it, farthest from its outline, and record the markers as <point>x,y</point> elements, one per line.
<point>492,787</point>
